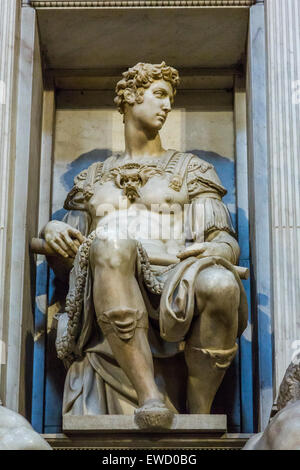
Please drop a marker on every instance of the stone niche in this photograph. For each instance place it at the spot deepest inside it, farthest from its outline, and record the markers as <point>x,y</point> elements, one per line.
<point>82,52</point>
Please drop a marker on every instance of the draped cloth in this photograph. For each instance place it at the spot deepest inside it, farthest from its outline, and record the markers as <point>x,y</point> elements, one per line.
<point>95,384</point>
<point>177,304</point>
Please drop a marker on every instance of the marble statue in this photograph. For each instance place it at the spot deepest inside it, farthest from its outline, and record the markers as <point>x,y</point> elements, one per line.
<point>283,430</point>
<point>17,434</point>
<point>155,300</point>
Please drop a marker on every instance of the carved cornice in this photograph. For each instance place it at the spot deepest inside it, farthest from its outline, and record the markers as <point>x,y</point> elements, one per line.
<point>140,3</point>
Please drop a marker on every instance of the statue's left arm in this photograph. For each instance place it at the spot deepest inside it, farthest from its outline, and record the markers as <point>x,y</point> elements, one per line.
<point>209,228</point>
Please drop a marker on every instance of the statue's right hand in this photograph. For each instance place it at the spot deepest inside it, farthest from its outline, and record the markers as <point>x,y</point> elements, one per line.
<point>63,239</point>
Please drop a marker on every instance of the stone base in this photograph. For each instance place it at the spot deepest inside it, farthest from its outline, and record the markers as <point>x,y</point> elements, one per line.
<point>146,441</point>
<point>206,432</point>
<point>215,425</point>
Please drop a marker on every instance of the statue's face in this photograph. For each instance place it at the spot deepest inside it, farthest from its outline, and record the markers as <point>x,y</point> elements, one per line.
<point>152,113</point>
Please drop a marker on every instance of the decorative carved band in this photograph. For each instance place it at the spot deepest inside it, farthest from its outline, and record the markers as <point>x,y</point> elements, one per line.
<point>141,3</point>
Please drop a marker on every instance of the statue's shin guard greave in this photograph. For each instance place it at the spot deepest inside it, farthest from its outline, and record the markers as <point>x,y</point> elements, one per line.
<point>206,370</point>
<point>122,322</point>
<point>219,358</point>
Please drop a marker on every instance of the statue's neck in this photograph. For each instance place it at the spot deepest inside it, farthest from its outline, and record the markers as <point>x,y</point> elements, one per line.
<point>139,144</point>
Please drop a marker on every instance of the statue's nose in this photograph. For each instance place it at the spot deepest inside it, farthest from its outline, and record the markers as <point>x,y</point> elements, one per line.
<point>167,105</point>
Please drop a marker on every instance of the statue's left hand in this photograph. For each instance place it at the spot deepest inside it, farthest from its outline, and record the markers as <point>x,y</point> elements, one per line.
<point>205,249</point>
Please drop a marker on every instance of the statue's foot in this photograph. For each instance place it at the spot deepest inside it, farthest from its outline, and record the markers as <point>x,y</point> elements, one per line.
<point>154,414</point>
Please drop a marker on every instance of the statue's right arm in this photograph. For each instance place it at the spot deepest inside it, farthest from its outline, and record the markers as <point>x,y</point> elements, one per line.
<point>62,238</point>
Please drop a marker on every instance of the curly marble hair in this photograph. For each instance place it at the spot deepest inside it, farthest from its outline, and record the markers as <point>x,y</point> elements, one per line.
<point>140,77</point>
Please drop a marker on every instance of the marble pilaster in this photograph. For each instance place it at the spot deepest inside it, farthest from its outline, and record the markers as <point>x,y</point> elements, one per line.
<point>20,161</point>
<point>9,51</point>
<point>259,215</point>
<point>24,215</point>
<point>283,67</point>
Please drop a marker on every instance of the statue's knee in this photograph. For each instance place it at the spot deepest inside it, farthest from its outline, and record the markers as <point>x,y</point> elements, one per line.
<point>219,287</point>
<point>122,321</point>
<point>113,253</point>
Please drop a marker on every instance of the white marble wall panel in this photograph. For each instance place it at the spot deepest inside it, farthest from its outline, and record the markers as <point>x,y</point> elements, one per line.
<point>9,26</point>
<point>24,213</point>
<point>283,47</point>
<point>259,214</point>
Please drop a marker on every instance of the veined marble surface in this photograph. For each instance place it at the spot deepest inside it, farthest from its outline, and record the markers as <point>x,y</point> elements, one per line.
<point>17,434</point>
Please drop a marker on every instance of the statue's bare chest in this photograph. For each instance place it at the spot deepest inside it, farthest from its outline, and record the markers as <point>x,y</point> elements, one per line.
<point>147,183</point>
<point>155,191</point>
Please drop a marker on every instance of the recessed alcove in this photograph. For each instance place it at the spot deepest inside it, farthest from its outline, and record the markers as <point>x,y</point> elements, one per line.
<point>99,39</point>
<point>83,53</point>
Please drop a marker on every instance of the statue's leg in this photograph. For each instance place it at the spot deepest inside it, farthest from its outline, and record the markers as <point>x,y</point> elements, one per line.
<point>122,315</point>
<point>211,344</point>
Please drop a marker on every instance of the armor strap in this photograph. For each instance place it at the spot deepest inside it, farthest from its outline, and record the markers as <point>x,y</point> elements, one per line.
<point>109,163</point>
<point>220,358</point>
<point>90,177</point>
<point>177,166</point>
<point>122,321</point>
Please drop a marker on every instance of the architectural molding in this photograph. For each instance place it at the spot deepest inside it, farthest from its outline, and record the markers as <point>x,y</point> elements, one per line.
<point>260,215</point>
<point>141,4</point>
<point>121,440</point>
<point>23,196</point>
